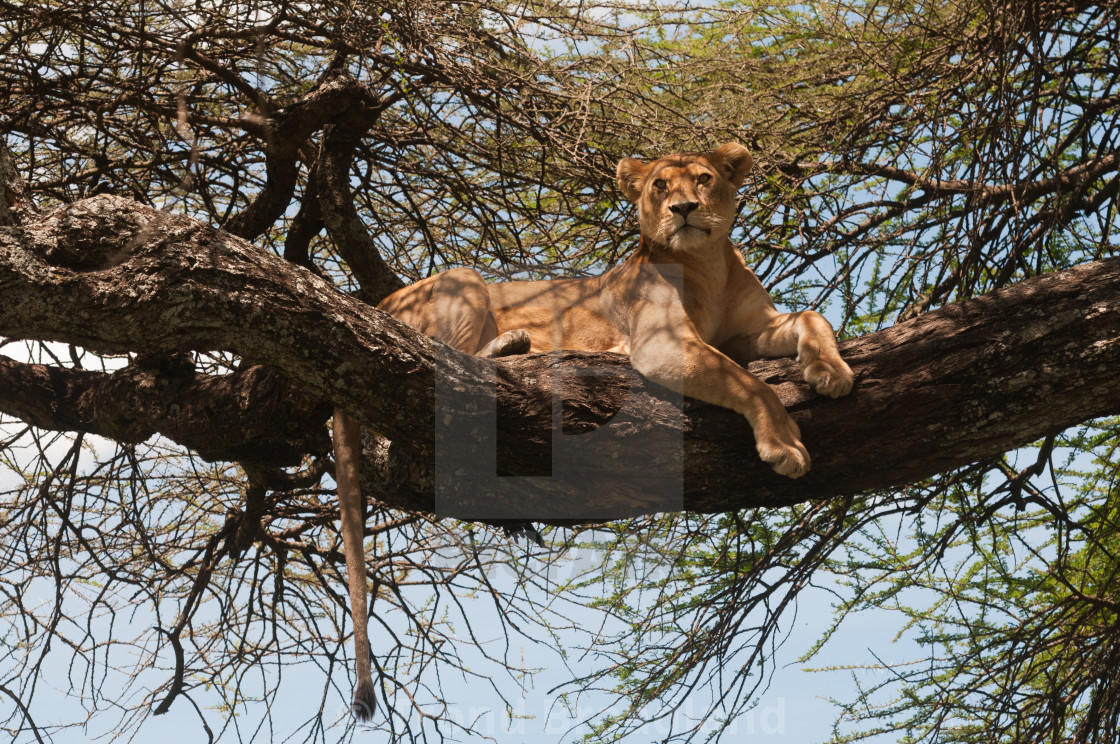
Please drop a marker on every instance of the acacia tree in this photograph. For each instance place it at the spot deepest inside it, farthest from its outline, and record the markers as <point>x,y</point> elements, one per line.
<point>188,188</point>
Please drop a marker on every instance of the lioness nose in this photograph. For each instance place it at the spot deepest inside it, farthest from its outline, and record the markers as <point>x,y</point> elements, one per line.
<point>683,208</point>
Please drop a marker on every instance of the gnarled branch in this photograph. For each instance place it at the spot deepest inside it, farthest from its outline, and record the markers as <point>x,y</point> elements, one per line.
<point>952,387</point>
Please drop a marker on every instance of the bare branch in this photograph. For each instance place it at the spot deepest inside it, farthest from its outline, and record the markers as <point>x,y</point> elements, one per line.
<point>336,203</point>
<point>253,415</point>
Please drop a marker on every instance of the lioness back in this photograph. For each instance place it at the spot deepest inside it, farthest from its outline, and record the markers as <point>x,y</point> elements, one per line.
<point>557,314</point>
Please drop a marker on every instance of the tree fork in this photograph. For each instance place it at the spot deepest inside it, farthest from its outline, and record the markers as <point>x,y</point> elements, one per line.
<point>958,385</point>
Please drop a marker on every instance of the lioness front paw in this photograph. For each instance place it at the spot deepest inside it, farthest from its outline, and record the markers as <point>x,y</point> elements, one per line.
<point>778,441</point>
<point>790,460</point>
<point>830,376</point>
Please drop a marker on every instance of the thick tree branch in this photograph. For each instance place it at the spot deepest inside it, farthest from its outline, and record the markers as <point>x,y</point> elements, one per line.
<point>115,276</point>
<point>952,387</point>
<point>253,415</point>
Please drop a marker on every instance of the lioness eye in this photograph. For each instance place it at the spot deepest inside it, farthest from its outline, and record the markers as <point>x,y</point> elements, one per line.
<point>703,178</point>
<point>659,184</point>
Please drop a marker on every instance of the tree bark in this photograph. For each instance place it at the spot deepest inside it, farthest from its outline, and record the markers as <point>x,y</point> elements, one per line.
<point>485,440</point>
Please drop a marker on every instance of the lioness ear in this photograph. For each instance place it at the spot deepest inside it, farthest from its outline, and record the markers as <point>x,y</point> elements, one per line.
<point>630,173</point>
<point>735,161</point>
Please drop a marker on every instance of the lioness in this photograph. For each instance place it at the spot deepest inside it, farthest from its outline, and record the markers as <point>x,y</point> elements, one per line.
<point>684,306</point>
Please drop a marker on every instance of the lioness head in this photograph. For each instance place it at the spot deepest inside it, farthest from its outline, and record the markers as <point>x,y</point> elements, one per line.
<point>686,200</point>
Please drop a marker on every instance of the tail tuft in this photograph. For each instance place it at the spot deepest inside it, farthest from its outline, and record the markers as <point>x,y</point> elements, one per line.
<point>364,702</point>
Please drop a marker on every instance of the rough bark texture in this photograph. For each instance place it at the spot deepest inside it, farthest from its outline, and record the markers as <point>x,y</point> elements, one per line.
<point>255,415</point>
<point>948,388</point>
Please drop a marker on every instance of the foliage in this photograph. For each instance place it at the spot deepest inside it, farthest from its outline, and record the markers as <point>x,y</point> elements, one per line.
<point>1018,607</point>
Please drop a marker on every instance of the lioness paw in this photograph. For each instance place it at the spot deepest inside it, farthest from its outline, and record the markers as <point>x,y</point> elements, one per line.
<point>791,461</point>
<point>831,377</point>
<point>507,344</point>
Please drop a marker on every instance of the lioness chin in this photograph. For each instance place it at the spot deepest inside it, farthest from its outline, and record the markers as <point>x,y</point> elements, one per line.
<point>684,306</point>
